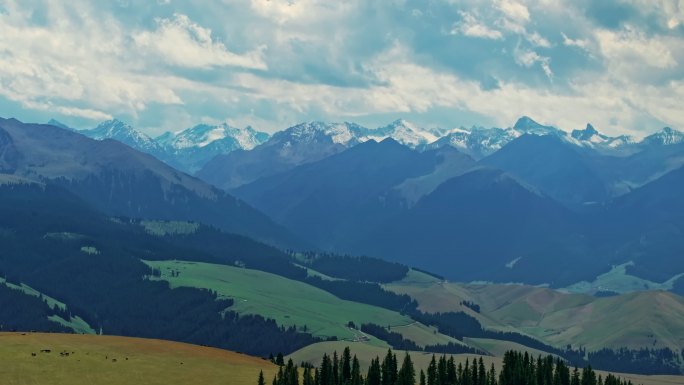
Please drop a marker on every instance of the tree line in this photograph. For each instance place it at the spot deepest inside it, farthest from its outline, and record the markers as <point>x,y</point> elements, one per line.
<point>517,369</point>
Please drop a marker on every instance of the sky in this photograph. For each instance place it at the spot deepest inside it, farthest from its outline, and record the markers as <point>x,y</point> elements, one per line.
<point>165,65</point>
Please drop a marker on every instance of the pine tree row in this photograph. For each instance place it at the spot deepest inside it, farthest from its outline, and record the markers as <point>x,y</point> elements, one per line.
<point>518,369</point>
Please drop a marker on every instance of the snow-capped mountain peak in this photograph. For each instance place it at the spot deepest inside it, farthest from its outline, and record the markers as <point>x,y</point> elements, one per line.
<point>403,132</point>
<point>123,132</point>
<point>665,137</point>
<point>526,125</point>
<point>589,134</point>
<point>346,134</point>
<point>203,135</point>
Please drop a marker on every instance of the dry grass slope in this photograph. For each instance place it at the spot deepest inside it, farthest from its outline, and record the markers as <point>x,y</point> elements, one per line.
<point>109,360</point>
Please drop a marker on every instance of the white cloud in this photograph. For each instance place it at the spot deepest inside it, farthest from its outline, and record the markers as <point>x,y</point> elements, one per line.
<point>470,26</point>
<point>630,49</point>
<point>514,11</point>
<point>538,40</point>
<point>528,58</point>
<point>333,60</point>
<point>579,43</point>
<point>181,42</point>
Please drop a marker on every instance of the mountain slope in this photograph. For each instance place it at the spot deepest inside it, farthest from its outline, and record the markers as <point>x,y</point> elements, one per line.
<point>304,143</point>
<point>552,166</point>
<point>647,227</point>
<point>192,148</point>
<point>112,360</point>
<point>484,225</point>
<point>121,181</point>
<point>124,133</point>
<point>342,196</point>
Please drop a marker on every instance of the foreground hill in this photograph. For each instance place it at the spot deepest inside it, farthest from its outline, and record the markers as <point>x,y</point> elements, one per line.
<point>110,360</point>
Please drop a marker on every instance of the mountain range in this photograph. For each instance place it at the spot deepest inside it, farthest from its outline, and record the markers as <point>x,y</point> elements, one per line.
<point>125,244</point>
<point>477,204</point>
<point>191,149</point>
<point>122,181</point>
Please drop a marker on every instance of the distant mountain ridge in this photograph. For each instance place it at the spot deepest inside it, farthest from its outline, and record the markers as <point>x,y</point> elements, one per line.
<point>122,181</point>
<point>193,148</point>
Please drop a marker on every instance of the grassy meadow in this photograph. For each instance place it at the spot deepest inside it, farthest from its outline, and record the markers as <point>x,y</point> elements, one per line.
<point>287,301</point>
<point>109,360</point>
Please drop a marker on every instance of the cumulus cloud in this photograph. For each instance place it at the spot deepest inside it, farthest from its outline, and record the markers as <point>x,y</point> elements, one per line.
<point>579,43</point>
<point>629,48</point>
<point>528,58</point>
<point>179,41</point>
<point>470,26</point>
<point>164,64</point>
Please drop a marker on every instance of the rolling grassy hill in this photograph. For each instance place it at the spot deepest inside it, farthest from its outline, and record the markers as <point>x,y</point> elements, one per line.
<point>109,360</point>
<point>635,320</point>
<point>287,301</point>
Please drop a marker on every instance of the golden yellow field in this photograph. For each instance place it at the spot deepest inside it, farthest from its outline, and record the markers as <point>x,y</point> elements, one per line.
<point>110,360</point>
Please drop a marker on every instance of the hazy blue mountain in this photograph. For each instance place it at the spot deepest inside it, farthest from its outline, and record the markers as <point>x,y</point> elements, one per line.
<point>526,125</point>
<point>667,136</point>
<point>126,134</point>
<point>591,138</point>
<point>553,166</point>
<point>187,150</point>
<point>57,123</point>
<point>485,225</point>
<point>651,160</point>
<point>343,196</point>
<point>403,132</point>
<point>303,143</point>
<point>647,227</point>
<point>119,180</point>
<point>477,142</point>
<point>192,148</point>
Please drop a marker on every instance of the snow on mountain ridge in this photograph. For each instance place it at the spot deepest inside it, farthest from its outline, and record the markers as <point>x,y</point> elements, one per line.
<point>125,133</point>
<point>203,135</point>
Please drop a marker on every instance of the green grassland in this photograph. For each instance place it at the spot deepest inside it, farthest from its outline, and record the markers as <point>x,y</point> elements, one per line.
<point>619,281</point>
<point>109,360</point>
<point>437,296</point>
<point>498,347</point>
<point>638,319</point>
<point>423,335</point>
<point>287,301</point>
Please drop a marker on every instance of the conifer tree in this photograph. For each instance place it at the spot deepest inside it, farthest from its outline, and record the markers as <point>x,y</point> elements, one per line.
<point>326,371</point>
<point>346,367</point>
<point>575,379</point>
<point>374,373</point>
<point>335,370</point>
<point>407,374</point>
<point>432,372</point>
<point>356,378</point>
<point>451,371</point>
